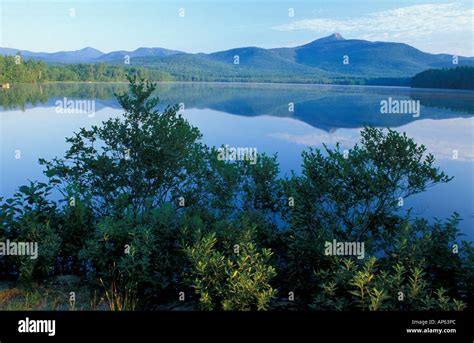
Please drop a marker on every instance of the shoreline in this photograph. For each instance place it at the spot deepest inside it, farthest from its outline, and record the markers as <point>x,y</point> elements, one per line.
<point>267,84</point>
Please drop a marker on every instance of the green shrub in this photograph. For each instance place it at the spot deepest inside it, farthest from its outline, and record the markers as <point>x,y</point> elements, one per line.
<point>352,196</point>
<point>351,286</point>
<point>30,217</point>
<point>231,280</point>
<point>149,211</point>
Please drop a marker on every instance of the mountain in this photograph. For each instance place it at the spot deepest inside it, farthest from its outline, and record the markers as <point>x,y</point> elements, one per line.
<point>140,52</point>
<point>89,55</point>
<point>322,60</point>
<point>85,55</point>
<point>264,61</point>
<point>365,58</point>
<point>254,64</point>
<point>318,60</point>
<point>331,38</point>
<point>79,56</point>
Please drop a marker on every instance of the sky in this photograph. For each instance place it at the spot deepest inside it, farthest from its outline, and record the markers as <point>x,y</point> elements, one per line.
<point>214,25</point>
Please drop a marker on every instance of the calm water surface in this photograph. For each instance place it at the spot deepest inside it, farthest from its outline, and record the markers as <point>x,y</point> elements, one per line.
<point>261,116</point>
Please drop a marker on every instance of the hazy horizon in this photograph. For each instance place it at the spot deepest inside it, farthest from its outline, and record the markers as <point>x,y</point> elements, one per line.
<point>207,26</point>
<point>209,52</point>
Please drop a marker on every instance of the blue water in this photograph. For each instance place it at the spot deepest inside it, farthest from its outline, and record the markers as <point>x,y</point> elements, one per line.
<point>258,116</point>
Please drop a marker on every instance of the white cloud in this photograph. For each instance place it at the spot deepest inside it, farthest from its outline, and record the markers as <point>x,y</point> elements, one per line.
<point>441,137</point>
<point>431,27</point>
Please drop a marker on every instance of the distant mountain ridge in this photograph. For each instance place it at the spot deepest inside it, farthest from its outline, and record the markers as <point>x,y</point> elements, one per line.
<point>327,57</point>
<point>140,52</point>
<point>88,55</point>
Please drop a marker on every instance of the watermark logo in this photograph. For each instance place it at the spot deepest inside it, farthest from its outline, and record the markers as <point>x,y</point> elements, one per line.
<point>37,326</point>
<point>237,154</point>
<point>9,248</point>
<point>395,106</point>
<point>336,248</point>
<point>69,106</point>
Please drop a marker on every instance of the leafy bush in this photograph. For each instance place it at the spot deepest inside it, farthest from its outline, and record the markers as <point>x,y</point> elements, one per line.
<point>231,280</point>
<point>148,212</point>
<point>30,217</point>
<point>353,196</point>
<point>132,163</point>
<point>348,285</point>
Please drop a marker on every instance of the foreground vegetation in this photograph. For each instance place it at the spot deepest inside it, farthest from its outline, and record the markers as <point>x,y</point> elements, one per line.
<point>151,218</point>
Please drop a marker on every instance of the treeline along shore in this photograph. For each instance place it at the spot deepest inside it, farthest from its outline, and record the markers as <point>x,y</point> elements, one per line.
<point>33,71</point>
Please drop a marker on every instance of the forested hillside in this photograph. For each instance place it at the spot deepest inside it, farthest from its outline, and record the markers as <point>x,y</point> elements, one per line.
<point>454,78</point>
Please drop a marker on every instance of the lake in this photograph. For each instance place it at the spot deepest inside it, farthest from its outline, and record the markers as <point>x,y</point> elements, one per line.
<point>277,118</point>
